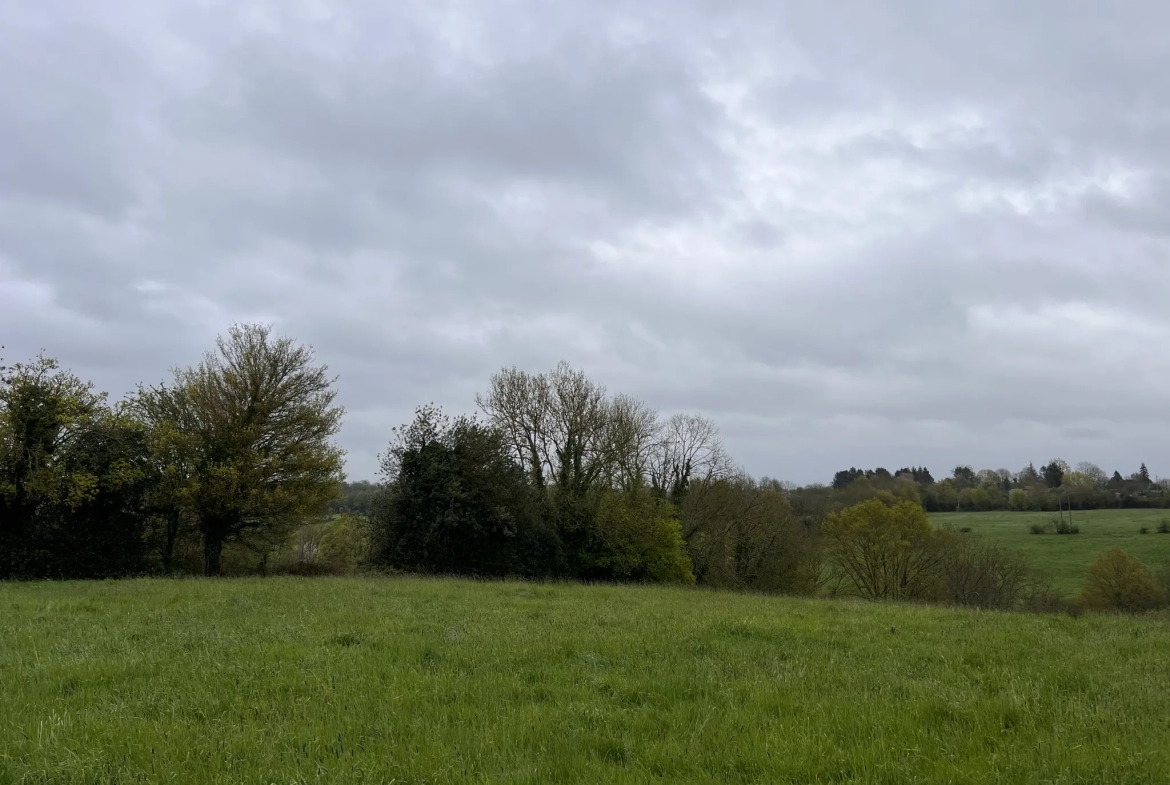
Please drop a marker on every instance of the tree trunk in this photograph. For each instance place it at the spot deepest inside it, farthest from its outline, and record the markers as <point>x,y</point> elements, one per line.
<point>212,555</point>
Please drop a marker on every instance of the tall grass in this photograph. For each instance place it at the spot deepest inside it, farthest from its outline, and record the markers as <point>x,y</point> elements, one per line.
<point>435,681</point>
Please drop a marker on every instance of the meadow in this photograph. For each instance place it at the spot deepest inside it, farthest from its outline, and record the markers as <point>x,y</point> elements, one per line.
<point>405,680</point>
<point>1065,558</point>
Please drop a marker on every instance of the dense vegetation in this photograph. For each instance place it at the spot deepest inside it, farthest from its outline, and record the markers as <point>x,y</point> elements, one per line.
<point>1054,486</point>
<point>409,680</point>
<point>231,465</point>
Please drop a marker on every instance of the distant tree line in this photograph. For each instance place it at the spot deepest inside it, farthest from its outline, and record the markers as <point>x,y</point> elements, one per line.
<point>1055,485</point>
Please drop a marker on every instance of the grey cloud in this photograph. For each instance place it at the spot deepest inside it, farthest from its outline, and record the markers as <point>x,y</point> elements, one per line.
<point>876,233</point>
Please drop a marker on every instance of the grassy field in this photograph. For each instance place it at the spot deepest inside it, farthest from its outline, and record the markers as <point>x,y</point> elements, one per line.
<point>1066,558</point>
<point>287,680</point>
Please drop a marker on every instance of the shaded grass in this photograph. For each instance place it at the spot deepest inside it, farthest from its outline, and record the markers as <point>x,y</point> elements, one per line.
<point>411,680</point>
<point>1066,557</point>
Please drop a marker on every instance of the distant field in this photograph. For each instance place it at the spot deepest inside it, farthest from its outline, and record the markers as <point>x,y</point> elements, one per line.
<point>413,681</point>
<point>1067,557</point>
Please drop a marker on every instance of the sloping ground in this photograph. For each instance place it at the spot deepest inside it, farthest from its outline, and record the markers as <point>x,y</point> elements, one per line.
<point>411,680</point>
<point>1066,557</point>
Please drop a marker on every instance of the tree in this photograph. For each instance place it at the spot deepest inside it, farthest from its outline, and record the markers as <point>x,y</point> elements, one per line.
<point>256,417</point>
<point>1118,581</point>
<point>72,479</point>
<point>843,479</point>
<point>985,575</point>
<point>1053,472</point>
<point>455,501</point>
<point>743,534</point>
<point>687,449</point>
<point>887,553</point>
<point>556,424</point>
<point>1094,472</point>
<point>1143,475</point>
<point>642,539</point>
<point>964,477</point>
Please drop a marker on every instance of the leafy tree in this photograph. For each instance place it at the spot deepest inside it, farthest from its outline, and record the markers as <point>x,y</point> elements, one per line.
<point>344,543</point>
<point>1053,473</point>
<point>887,553</point>
<point>256,417</point>
<point>454,501</point>
<point>72,479</point>
<point>1118,581</point>
<point>743,534</point>
<point>964,477</point>
<point>1028,476</point>
<point>843,479</point>
<point>642,539</point>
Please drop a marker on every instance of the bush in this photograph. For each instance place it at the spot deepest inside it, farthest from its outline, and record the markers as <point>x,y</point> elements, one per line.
<point>1144,530</point>
<point>1067,528</point>
<point>964,529</point>
<point>981,575</point>
<point>642,539</point>
<point>1119,582</point>
<point>1038,528</point>
<point>887,553</point>
<point>1164,526</point>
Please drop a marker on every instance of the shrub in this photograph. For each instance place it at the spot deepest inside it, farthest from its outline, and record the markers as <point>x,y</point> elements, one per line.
<point>981,575</point>
<point>344,544</point>
<point>1164,526</point>
<point>642,539</point>
<point>1144,530</point>
<point>1119,582</point>
<point>1038,528</point>
<point>964,529</point>
<point>885,552</point>
<point>1067,528</point>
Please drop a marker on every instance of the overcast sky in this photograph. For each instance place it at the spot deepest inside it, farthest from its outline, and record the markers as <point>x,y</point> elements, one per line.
<point>852,233</point>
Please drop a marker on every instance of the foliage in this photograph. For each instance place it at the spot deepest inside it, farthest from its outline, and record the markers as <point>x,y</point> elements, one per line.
<point>455,502</point>
<point>741,534</point>
<point>1119,582</point>
<point>642,539</point>
<point>986,575</point>
<point>255,419</point>
<point>887,553</point>
<point>72,478</point>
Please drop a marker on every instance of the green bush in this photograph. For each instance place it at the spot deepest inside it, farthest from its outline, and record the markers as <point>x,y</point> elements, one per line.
<point>1119,582</point>
<point>1164,526</point>
<point>886,553</point>
<point>1038,528</point>
<point>642,539</point>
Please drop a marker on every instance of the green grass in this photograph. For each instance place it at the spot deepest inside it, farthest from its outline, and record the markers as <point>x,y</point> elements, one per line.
<point>428,681</point>
<point>1066,557</point>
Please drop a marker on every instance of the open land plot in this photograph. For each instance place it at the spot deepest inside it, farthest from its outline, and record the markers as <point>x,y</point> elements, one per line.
<point>414,680</point>
<point>1066,557</point>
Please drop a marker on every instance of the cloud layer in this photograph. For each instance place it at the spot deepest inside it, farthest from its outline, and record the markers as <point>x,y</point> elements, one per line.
<point>871,233</point>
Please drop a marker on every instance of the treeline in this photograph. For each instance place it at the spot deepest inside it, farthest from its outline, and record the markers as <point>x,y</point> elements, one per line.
<point>233,452</point>
<point>230,465</point>
<point>562,479</point>
<point>1055,485</point>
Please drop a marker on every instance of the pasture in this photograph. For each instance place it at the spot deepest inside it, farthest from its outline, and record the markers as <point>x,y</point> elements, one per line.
<point>408,680</point>
<point>1065,558</point>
